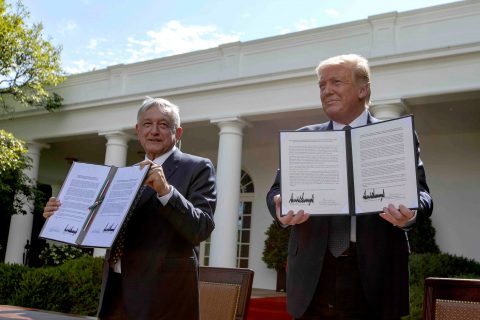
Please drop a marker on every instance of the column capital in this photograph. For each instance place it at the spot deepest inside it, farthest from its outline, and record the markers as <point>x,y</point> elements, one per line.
<point>232,120</point>
<point>34,146</point>
<point>116,134</point>
<point>232,125</point>
<point>388,109</point>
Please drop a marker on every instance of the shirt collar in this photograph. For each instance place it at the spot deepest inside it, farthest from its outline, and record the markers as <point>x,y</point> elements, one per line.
<point>361,120</point>
<point>161,159</point>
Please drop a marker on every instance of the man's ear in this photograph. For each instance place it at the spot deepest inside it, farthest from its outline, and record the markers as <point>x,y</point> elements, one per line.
<point>363,91</point>
<point>178,133</point>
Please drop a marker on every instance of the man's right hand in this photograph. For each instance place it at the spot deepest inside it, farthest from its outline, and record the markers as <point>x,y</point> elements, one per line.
<point>52,205</point>
<point>291,218</point>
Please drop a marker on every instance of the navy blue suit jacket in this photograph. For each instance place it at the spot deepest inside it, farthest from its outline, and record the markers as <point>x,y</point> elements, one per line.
<point>382,253</point>
<point>160,259</point>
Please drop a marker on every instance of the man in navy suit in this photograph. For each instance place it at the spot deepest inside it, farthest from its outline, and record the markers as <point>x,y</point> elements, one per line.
<point>368,278</point>
<point>156,275</point>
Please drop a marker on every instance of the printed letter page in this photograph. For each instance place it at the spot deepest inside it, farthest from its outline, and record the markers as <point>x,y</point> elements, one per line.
<point>120,195</point>
<point>384,165</point>
<point>79,191</point>
<point>314,174</point>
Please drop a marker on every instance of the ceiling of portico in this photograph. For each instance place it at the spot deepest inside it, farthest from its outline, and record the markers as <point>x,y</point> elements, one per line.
<point>437,114</point>
<point>446,113</point>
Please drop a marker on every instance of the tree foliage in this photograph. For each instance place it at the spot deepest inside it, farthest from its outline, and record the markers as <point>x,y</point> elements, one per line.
<point>275,251</point>
<point>422,236</point>
<point>13,180</point>
<point>29,65</point>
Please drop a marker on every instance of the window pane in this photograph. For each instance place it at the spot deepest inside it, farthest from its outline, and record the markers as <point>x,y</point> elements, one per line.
<point>245,249</point>
<point>243,263</point>
<point>247,207</point>
<point>246,222</point>
<point>245,236</point>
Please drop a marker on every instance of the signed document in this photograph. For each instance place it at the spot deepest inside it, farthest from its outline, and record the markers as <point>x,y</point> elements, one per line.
<point>95,201</point>
<point>352,172</point>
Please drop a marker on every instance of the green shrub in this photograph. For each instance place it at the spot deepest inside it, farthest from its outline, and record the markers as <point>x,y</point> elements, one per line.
<point>10,278</point>
<point>441,265</point>
<point>85,274</point>
<point>275,251</point>
<point>435,265</point>
<point>43,288</point>
<point>422,236</point>
<point>54,255</point>
<point>72,287</point>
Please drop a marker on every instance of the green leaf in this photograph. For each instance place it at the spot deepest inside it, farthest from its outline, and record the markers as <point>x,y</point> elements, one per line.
<point>29,64</point>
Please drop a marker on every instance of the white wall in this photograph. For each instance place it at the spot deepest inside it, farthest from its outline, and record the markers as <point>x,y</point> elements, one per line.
<point>452,165</point>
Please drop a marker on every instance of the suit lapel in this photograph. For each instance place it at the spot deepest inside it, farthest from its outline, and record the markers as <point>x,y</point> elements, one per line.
<point>171,164</point>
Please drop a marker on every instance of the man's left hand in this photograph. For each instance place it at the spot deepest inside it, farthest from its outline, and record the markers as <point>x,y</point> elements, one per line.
<point>156,178</point>
<point>397,217</point>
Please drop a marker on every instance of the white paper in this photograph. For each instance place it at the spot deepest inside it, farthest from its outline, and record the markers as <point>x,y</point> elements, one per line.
<point>385,168</point>
<point>314,175</point>
<point>78,193</point>
<point>106,224</point>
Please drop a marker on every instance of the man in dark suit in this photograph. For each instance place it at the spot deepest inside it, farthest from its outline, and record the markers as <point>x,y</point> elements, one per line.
<point>368,277</point>
<point>156,275</point>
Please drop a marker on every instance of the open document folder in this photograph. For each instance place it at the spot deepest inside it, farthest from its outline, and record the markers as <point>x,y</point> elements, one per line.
<point>95,201</point>
<point>349,172</point>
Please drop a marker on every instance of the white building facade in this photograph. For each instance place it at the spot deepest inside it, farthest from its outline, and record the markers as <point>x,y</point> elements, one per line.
<point>235,98</point>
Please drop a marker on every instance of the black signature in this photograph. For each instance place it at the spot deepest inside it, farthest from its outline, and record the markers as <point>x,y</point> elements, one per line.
<point>301,199</point>
<point>373,195</point>
<point>110,228</point>
<point>70,230</point>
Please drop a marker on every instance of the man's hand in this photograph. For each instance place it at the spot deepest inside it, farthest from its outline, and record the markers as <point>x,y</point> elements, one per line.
<point>52,205</point>
<point>397,217</point>
<point>291,218</point>
<point>156,178</point>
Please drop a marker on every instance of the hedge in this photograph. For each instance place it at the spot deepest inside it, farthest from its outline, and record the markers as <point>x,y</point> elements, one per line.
<point>436,265</point>
<point>74,286</point>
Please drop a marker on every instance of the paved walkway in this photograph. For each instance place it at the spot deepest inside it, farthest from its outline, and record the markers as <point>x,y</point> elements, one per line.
<point>19,313</point>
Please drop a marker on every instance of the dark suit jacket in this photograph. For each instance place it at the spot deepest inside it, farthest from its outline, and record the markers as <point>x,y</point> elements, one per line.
<point>160,259</point>
<point>382,253</point>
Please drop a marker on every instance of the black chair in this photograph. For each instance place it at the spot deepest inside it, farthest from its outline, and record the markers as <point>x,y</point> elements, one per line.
<point>451,299</point>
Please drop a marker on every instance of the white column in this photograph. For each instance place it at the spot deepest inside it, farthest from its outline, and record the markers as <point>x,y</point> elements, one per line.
<point>117,146</point>
<point>21,225</point>
<point>223,248</point>
<point>115,155</point>
<point>390,109</point>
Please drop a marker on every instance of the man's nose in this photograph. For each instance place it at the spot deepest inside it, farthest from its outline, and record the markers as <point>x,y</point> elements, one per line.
<point>155,128</point>
<point>328,88</point>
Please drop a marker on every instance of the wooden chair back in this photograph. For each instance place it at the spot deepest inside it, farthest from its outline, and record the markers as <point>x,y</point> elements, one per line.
<point>225,293</point>
<point>448,299</point>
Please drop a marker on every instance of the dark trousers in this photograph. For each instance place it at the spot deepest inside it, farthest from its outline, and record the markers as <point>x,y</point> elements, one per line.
<point>113,305</point>
<point>339,294</point>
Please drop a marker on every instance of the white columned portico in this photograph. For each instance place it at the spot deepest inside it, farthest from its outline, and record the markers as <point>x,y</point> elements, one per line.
<point>21,225</point>
<point>223,248</point>
<point>115,155</point>
<point>390,109</point>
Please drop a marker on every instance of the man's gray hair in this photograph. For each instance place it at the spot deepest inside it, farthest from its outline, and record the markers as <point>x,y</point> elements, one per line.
<point>358,64</point>
<point>165,106</point>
